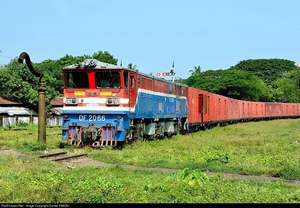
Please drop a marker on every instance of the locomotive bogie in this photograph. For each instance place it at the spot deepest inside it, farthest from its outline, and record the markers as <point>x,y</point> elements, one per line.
<point>150,128</point>
<point>169,128</point>
<point>86,129</point>
<point>146,129</point>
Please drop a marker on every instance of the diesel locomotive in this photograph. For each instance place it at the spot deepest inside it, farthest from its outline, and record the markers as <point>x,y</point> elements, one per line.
<point>106,105</point>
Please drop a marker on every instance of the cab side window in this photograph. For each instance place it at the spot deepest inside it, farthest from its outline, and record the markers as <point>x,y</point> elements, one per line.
<point>76,80</point>
<point>108,79</point>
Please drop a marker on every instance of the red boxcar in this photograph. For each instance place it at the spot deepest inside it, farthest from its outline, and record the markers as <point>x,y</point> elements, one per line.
<point>258,110</point>
<point>273,110</point>
<point>220,108</point>
<point>245,110</point>
<point>233,110</point>
<point>289,109</point>
<point>298,110</point>
<point>207,109</point>
<point>201,109</point>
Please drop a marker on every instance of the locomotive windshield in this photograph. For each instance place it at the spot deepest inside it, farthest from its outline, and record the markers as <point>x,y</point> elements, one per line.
<point>108,79</point>
<point>76,80</point>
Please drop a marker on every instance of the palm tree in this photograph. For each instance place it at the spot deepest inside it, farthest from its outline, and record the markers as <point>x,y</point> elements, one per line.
<point>131,66</point>
<point>196,71</point>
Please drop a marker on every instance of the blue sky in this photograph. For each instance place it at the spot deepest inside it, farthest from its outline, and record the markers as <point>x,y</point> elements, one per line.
<point>151,34</point>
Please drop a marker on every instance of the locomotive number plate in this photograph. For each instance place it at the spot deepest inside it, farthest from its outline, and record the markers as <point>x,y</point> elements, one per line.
<point>91,117</point>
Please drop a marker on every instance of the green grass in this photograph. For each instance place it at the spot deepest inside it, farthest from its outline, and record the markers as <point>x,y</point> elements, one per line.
<point>269,148</point>
<point>255,148</point>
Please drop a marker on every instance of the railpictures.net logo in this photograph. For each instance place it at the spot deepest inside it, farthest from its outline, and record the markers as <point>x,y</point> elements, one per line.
<point>34,205</point>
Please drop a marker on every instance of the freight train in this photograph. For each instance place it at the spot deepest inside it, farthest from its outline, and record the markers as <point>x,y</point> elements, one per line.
<point>109,105</point>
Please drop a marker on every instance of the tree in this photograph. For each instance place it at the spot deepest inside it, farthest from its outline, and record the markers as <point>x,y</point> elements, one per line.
<point>267,69</point>
<point>131,66</point>
<point>243,85</point>
<point>19,84</point>
<point>196,71</point>
<point>105,57</point>
<point>232,83</point>
<point>290,91</point>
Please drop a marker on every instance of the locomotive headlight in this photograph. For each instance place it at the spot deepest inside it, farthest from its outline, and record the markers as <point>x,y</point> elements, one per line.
<point>71,100</point>
<point>113,101</point>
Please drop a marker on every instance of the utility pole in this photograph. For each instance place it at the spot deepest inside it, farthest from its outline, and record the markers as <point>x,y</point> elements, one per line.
<point>172,73</point>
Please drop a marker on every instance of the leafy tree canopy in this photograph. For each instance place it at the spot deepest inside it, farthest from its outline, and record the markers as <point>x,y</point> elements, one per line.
<point>234,83</point>
<point>267,69</point>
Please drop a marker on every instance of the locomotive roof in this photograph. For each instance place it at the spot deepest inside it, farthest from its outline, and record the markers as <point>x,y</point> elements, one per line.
<point>92,64</point>
<point>95,64</point>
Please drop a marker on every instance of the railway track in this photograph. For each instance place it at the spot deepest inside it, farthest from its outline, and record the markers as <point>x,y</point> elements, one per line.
<point>61,156</point>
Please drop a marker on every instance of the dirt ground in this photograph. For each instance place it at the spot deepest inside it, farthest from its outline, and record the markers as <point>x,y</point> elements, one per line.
<point>85,161</point>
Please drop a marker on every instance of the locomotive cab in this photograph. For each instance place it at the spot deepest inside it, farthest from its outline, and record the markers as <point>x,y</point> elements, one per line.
<point>96,104</point>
